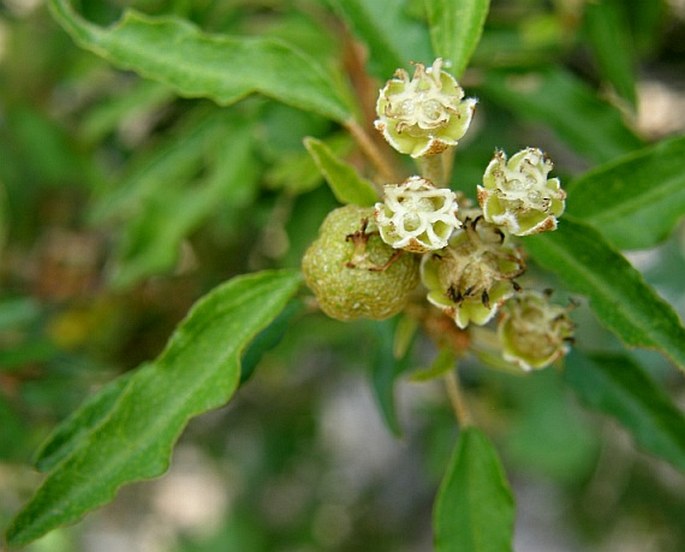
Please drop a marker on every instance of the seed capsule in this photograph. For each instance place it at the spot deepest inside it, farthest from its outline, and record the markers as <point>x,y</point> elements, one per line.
<point>425,114</point>
<point>416,216</point>
<point>533,332</point>
<point>473,276</point>
<point>517,194</point>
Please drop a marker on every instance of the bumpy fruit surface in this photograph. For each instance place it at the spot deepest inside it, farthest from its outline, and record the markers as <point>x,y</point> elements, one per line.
<point>353,273</point>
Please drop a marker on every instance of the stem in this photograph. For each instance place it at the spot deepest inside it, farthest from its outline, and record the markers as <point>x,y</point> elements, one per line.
<point>432,169</point>
<point>456,397</point>
<point>372,153</point>
<point>437,168</point>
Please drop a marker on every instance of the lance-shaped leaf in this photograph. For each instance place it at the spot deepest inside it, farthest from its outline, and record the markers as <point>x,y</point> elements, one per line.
<point>636,200</point>
<point>621,299</point>
<point>199,370</point>
<point>386,368</point>
<point>556,98</point>
<point>68,435</point>
<point>606,25</point>
<point>221,68</point>
<point>474,511</point>
<point>345,182</point>
<point>455,29</point>
<point>618,386</point>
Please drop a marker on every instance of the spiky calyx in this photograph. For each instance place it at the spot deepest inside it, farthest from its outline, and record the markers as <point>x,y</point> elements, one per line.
<point>517,194</point>
<point>425,114</point>
<point>533,332</point>
<point>473,276</point>
<point>416,216</point>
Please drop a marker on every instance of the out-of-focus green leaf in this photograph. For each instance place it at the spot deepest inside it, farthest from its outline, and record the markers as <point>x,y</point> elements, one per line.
<point>268,338</point>
<point>443,362</point>
<point>607,27</point>
<point>618,294</point>
<point>68,435</point>
<point>152,237</point>
<point>222,68</point>
<point>559,100</point>
<point>297,173</point>
<point>547,435</point>
<point>474,511</point>
<point>646,21</point>
<point>345,182</point>
<point>125,106</point>
<point>13,431</point>
<point>393,37</point>
<point>18,311</point>
<point>4,222</point>
<point>191,376</point>
<point>619,387</point>
<point>384,372</point>
<point>46,152</point>
<point>455,29</point>
<point>636,200</point>
<point>170,165</point>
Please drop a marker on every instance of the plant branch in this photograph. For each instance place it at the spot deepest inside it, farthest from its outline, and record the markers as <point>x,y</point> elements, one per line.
<point>457,401</point>
<point>372,153</point>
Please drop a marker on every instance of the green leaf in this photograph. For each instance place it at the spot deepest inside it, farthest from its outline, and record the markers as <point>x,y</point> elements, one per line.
<point>621,299</point>
<point>68,435</point>
<point>474,511</point>
<point>637,200</point>
<point>164,202</point>
<point>345,182</point>
<point>443,362</point>
<point>296,172</point>
<point>143,98</point>
<point>556,98</point>
<point>619,387</point>
<point>199,370</point>
<point>393,37</point>
<point>385,371</point>
<point>4,221</point>
<point>455,29</point>
<point>171,163</point>
<point>268,338</point>
<point>222,68</point>
<point>606,24</point>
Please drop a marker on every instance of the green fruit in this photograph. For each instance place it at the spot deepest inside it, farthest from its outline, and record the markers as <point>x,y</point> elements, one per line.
<point>346,268</point>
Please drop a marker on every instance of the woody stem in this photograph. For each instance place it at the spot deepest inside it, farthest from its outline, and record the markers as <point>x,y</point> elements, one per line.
<point>457,401</point>
<point>386,172</point>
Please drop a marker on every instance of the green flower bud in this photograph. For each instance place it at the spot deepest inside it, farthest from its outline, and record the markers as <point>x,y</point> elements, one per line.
<point>416,216</point>
<point>472,277</point>
<point>533,332</point>
<point>423,115</point>
<point>352,273</point>
<point>517,194</point>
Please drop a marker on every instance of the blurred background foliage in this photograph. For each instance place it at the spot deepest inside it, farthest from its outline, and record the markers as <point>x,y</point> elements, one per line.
<point>121,204</point>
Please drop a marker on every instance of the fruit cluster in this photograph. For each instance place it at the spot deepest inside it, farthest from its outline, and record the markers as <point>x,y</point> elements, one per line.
<point>367,262</point>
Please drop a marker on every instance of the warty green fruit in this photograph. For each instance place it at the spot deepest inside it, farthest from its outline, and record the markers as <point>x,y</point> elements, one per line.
<point>346,268</point>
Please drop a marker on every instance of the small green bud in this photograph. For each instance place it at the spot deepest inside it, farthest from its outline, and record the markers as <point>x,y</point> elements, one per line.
<point>533,332</point>
<point>517,194</point>
<point>423,115</point>
<point>416,216</point>
<point>352,273</point>
<point>473,276</point>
